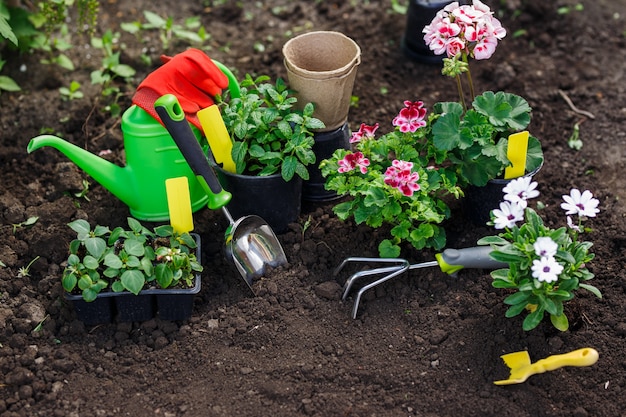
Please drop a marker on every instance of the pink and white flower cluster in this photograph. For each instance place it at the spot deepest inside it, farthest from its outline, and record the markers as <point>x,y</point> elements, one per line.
<point>352,161</point>
<point>469,29</point>
<point>411,117</point>
<point>546,268</point>
<point>399,175</point>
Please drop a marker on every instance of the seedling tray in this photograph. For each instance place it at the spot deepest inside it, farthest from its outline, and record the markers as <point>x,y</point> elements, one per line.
<point>166,304</point>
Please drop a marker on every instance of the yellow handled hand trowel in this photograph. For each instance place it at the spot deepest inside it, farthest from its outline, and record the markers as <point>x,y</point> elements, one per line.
<point>516,152</point>
<point>217,136</point>
<point>522,368</point>
<point>179,204</point>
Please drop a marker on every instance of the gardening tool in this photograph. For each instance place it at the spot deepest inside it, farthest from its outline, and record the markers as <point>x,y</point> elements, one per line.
<point>217,136</point>
<point>179,204</point>
<point>151,155</point>
<point>521,368</point>
<point>516,151</point>
<point>151,158</point>
<point>250,242</point>
<point>449,261</point>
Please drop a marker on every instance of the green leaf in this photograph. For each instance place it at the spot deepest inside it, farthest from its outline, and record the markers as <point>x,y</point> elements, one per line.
<point>69,281</point>
<point>134,247</point>
<point>91,262</point>
<point>517,298</point>
<point>386,249</point>
<point>164,275</point>
<point>64,62</point>
<point>154,19</point>
<point>514,310</point>
<point>288,168</point>
<point>133,281</point>
<point>8,84</point>
<point>123,70</point>
<point>446,132</point>
<point>113,261</point>
<point>6,31</point>
<point>95,246</point>
<point>533,319</point>
<point>80,226</point>
<point>560,322</point>
<point>592,289</point>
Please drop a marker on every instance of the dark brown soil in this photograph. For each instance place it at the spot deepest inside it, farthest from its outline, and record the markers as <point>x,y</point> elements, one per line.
<point>423,344</point>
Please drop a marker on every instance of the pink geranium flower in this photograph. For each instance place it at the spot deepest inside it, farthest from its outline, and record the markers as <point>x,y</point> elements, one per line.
<point>352,161</point>
<point>411,117</point>
<point>365,132</point>
<point>469,29</point>
<point>399,175</point>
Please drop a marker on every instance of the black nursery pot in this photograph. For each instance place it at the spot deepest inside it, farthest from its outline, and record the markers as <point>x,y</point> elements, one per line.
<point>419,14</point>
<point>167,304</point>
<point>326,143</point>
<point>479,201</point>
<point>270,197</point>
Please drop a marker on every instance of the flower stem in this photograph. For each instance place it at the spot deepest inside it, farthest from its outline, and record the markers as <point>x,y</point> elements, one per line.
<point>470,83</point>
<point>459,87</point>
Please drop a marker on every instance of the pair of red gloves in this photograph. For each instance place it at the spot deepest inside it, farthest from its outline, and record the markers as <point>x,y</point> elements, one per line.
<point>191,76</point>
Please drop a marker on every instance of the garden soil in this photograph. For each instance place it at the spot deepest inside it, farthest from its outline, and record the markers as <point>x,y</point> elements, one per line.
<point>422,344</point>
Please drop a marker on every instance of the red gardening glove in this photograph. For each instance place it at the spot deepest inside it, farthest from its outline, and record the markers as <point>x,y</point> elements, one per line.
<point>191,76</point>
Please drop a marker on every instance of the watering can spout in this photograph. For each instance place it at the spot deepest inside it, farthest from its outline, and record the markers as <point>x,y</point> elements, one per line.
<point>118,180</point>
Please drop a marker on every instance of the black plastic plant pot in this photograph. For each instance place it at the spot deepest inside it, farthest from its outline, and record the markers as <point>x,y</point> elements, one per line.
<point>419,14</point>
<point>326,143</point>
<point>479,201</point>
<point>167,304</point>
<point>270,197</point>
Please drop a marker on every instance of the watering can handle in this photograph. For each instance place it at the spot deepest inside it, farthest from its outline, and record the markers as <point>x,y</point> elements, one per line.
<point>233,84</point>
<point>173,117</point>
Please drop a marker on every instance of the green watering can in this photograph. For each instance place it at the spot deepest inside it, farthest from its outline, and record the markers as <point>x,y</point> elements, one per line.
<point>151,158</point>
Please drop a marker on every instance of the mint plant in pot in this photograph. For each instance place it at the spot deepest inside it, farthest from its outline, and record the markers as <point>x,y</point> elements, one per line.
<point>272,144</point>
<point>546,266</point>
<point>133,272</point>
<point>476,136</point>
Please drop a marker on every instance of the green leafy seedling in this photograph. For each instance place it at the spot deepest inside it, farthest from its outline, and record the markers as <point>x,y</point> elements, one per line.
<point>29,222</point>
<point>574,140</point>
<point>25,270</point>
<point>40,325</point>
<point>7,83</point>
<point>83,193</point>
<point>72,92</point>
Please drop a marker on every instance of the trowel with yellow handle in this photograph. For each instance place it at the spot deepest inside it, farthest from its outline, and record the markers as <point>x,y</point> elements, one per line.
<point>179,204</point>
<point>516,152</point>
<point>217,136</point>
<point>522,368</point>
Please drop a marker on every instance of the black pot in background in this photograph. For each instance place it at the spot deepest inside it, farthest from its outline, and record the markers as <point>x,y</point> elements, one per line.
<point>270,197</point>
<point>419,14</point>
<point>326,143</point>
<point>479,201</point>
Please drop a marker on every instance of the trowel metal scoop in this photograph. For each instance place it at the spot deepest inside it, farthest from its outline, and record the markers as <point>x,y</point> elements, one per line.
<point>250,242</point>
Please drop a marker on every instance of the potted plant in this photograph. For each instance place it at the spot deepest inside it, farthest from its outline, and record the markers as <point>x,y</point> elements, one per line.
<point>476,137</point>
<point>272,143</point>
<point>545,266</point>
<point>396,179</point>
<point>134,272</point>
<point>451,150</point>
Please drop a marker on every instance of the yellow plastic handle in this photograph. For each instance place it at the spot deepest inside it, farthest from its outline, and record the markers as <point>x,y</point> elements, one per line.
<point>516,152</point>
<point>580,357</point>
<point>179,204</point>
<point>217,136</point>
